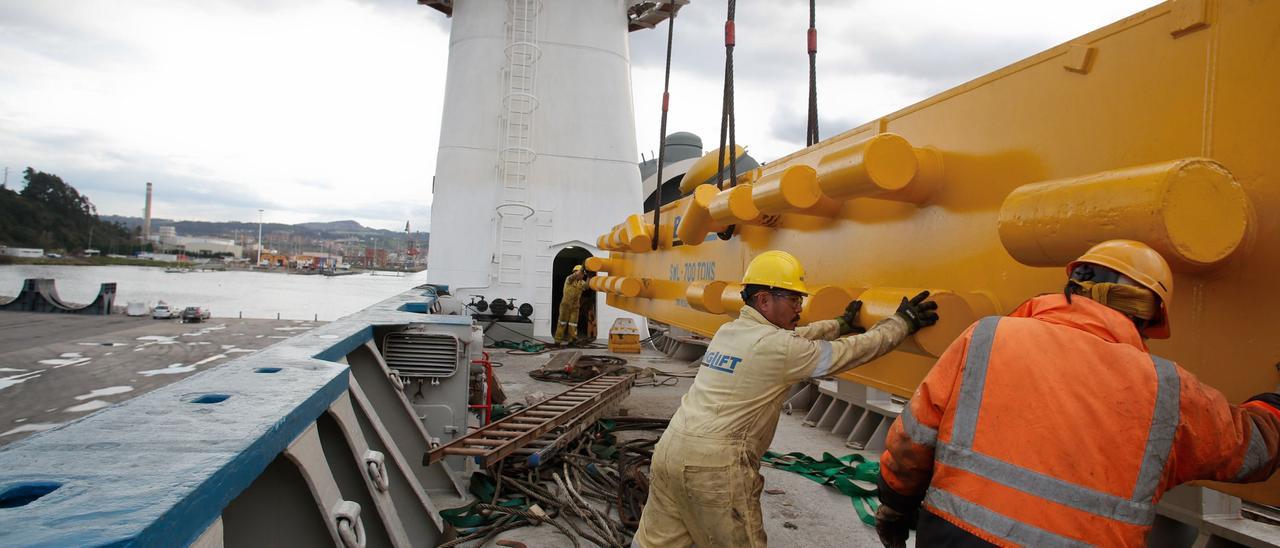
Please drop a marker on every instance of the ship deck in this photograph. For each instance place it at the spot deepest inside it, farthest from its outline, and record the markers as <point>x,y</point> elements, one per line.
<point>804,513</point>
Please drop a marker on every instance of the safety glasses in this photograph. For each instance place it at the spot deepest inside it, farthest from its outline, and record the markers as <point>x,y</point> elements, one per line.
<point>796,299</point>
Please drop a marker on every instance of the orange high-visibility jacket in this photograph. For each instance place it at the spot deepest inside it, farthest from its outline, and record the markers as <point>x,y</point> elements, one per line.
<point>1055,427</point>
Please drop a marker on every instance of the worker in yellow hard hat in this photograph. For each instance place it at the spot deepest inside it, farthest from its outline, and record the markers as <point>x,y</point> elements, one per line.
<point>570,299</point>
<point>1054,426</point>
<point>705,485</point>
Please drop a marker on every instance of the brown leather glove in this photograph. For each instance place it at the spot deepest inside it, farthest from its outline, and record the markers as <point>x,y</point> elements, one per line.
<point>892,526</point>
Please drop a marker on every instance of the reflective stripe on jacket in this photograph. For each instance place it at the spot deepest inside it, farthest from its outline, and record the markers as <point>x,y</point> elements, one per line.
<point>1056,427</point>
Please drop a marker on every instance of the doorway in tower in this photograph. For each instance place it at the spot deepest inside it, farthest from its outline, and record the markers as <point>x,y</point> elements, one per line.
<point>585,307</point>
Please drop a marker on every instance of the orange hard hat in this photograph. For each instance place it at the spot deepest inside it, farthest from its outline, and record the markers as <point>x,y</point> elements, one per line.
<point>1141,264</point>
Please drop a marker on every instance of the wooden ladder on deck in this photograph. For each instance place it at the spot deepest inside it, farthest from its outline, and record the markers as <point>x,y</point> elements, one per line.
<point>490,444</point>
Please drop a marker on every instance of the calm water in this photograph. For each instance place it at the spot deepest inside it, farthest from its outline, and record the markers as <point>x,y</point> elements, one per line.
<point>225,294</point>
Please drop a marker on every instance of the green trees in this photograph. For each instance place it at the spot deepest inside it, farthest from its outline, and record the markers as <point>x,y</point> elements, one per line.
<point>49,213</point>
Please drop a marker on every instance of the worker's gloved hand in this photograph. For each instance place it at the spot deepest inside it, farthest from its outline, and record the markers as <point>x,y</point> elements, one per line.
<point>892,526</point>
<point>1269,398</point>
<point>918,312</point>
<point>849,320</point>
<point>1268,402</point>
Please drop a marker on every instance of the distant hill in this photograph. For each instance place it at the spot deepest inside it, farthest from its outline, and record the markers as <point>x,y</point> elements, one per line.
<point>335,226</point>
<point>51,214</point>
<point>331,230</point>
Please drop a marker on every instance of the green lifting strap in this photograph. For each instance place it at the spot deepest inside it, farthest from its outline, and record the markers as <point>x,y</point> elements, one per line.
<point>468,517</point>
<point>841,473</point>
<point>523,346</point>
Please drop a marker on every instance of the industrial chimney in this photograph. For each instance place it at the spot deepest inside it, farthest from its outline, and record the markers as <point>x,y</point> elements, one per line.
<point>146,218</point>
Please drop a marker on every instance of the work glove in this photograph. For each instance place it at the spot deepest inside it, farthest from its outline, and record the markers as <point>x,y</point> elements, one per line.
<point>892,526</point>
<point>1268,402</point>
<point>918,312</point>
<point>849,320</point>
<point>1269,398</point>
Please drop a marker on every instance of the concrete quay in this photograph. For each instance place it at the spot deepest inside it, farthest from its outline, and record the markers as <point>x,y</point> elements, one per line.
<point>55,368</point>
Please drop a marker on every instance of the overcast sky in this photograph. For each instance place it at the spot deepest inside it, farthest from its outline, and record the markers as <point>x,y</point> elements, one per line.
<point>322,110</point>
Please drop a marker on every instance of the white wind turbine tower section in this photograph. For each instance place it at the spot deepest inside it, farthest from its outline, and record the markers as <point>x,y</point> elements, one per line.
<point>537,143</point>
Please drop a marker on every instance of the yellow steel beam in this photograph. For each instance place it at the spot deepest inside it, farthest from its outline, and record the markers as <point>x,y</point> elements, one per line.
<point>1163,127</point>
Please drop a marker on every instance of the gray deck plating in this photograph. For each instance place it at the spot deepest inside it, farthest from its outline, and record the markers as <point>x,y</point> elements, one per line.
<point>158,469</point>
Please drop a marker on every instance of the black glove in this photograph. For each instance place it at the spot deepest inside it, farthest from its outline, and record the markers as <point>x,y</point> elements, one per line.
<point>892,526</point>
<point>849,320</point>
<point>918,312</point>
<point>1269,398</point>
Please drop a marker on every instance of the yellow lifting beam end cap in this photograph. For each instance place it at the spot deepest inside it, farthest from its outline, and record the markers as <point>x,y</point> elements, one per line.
<point>1192,211</point>
<point>734,205</point>
<point>704,170</point>
<point>883,163</point>
<point>792,189</point>
<point>706,296</point>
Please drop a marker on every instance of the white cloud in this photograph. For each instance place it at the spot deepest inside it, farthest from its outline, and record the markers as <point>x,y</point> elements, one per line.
<point>330,109</point>
<point>314,110</point>
<point>874,57</point>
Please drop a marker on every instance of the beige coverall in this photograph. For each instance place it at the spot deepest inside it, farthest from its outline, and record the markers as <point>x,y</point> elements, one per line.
<point>705,486</point>
<point>570,301</point>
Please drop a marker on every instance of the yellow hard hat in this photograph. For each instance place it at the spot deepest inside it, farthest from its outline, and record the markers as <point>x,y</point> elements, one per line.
<point>1142,264</point>
<point>776,269</point>
<point>577,267</point>
<point>704,170</point>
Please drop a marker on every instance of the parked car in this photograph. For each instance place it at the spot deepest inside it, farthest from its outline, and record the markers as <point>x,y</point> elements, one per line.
<point>162,312</point>
<point>194,314</point>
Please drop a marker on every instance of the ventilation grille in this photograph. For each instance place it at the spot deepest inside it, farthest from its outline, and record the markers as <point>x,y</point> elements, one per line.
<point>421,354</point>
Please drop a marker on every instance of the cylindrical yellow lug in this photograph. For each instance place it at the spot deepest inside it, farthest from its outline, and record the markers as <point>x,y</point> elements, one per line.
<point>617,239</point>
<point>598,283</point>
<point>734,205</point>
<point>883,163</point>
<point>638,234</point>
<point>1191,210</point>
<point>696,222</point>
<point>626,287</point>
<point>927,180</point>
<point>731,298</point>
<point>790,189</point>
<point>603,264</point>
<point>703,170</point>
<point>955,314</point>
<point>706,296</point>
<point>825,303</point>
<point>602,242</point>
